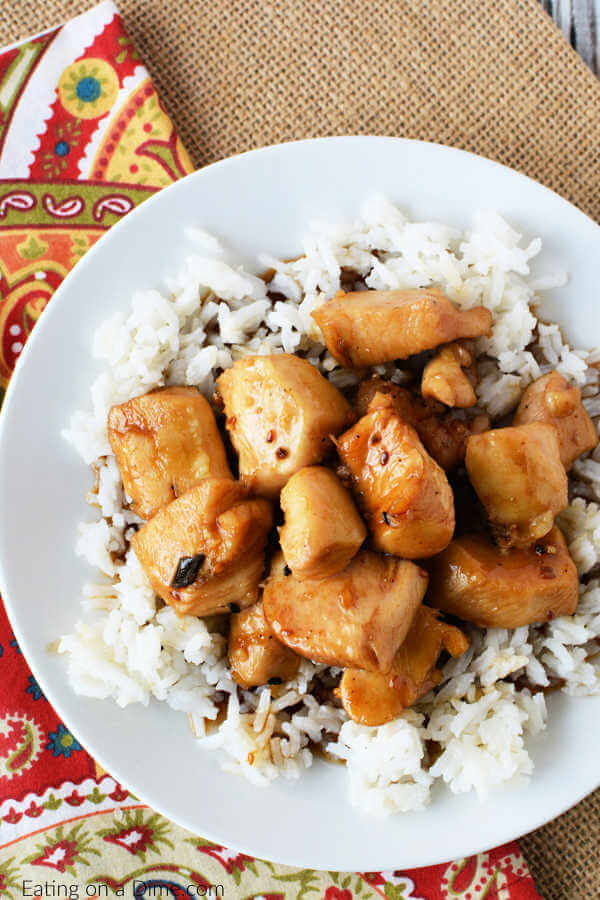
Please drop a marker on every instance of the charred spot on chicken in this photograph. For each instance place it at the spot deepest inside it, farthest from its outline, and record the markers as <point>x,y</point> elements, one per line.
<point>187,570</point>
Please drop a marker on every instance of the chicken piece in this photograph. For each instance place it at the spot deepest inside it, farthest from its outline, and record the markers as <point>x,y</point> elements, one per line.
<point>322,530</point>
<point>204,552</point>
<point>366,328</point>
<point>408,405</point>
<point>255,655</point>
<point>280,414</point>
<point>404,494</point>
<point>165,442</point>
<point>358,617</point>
<point>520,480</point>
<point>553,400</point>
<point>444,437</point>
<point>445,379</point>
<point>372,698</point>
<point>493,588</point>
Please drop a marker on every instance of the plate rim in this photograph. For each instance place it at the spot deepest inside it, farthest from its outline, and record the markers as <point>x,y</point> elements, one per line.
<point>37,337</point>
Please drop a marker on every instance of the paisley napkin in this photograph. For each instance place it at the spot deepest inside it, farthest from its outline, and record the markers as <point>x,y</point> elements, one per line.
<point>84,139</point>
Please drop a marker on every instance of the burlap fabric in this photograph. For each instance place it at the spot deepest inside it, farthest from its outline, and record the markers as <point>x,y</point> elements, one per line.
<point>491,76</point>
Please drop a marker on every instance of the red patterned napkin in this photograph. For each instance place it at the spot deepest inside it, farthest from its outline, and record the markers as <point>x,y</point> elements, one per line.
<point>84,139</point>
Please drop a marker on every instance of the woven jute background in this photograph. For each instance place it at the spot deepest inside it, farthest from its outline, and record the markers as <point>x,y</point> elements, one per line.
<point>491,76</point>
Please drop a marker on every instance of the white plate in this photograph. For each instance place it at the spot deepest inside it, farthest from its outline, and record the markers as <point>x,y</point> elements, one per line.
<point>261,201</point>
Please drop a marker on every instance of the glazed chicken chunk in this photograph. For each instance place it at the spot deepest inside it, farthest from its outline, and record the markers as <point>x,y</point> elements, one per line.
<point>204,552</point>
<point>404,494</point>
<point>373,698</point>
<point>165,442</point>
<point>493,588</point>
<point>407,405</point>
<point>323,529</point>
<point>367,328</point>
<point>449,377</point>
<point>520,479</point>
<point>280,414</point>
<point>255,655</point>
<point>443,436</point>
<point>553,400</point>
<point>358,617</point>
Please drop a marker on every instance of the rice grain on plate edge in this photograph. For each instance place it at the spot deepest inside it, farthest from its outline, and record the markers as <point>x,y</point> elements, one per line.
<point>130,647</point>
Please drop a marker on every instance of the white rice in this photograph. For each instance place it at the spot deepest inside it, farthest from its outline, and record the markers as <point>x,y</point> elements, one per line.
<point>129,647</point>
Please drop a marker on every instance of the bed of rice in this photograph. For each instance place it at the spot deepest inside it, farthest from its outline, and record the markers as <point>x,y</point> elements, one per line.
<point>130,647</point>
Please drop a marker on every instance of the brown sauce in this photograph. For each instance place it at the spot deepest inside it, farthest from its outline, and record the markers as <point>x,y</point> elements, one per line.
<point>212,724</point>
<point>320,751</point>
